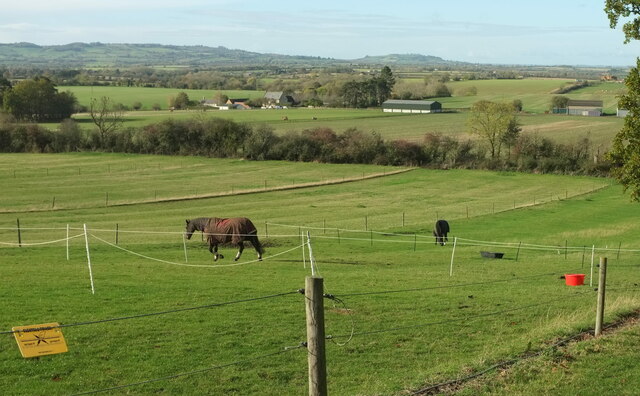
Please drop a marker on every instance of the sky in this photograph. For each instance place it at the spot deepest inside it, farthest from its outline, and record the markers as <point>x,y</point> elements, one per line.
<point>538,32</point>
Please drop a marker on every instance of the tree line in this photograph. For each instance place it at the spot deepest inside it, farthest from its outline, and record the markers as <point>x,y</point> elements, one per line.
<point>36,100</point>
<point>217,137</point>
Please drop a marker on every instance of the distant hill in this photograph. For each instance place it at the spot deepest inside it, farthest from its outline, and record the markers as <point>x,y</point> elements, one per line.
<point>403,59</point>
<point>123,55</point>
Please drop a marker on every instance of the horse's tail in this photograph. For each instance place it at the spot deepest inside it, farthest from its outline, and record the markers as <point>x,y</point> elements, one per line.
<point>253,238</point>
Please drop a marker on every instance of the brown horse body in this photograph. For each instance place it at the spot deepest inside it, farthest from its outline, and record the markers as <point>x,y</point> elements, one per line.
<point>233,230</point>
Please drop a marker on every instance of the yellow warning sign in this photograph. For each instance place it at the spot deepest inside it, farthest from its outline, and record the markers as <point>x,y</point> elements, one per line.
<point>40,340</point>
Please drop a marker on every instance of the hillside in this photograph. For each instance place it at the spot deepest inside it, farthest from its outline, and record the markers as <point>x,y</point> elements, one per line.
<point>119,55</point>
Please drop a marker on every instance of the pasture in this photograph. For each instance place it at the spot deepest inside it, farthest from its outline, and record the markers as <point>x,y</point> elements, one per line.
<point>535,94</point>
<point>400,321</point>
<point>148,96</point>
<point>411,127</point>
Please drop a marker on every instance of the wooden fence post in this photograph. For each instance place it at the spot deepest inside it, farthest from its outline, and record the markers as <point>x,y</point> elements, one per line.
<point>314,305</point>
<point>602,282</point>
<point>19,234</point>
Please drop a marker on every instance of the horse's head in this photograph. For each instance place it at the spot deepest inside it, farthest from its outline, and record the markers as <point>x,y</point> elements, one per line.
<point>191,227</point>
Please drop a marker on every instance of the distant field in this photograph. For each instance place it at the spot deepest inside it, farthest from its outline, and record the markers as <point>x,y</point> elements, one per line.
<point>149,96</point>
<point>534,93</point>
<point>115,179</point>
<point>411,127</point>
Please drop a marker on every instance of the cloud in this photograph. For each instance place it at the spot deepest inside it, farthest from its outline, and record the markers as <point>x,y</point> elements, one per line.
<point>67,6</point>
<point>18,27</point>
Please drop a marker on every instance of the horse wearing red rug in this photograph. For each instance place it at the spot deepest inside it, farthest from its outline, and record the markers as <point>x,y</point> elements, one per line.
<point>233,230</point>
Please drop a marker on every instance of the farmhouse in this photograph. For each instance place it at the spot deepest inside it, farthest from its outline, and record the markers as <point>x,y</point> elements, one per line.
<point>235,104</point>
<point>591,108</point>
<point>411,106</point>
<point>278,98</point>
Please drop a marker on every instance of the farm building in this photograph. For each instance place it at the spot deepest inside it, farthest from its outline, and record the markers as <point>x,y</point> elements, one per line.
<point>235,104</point>
<point>621,112</point>
<point>278,98</point>
<point>411,106</point>
<point>591,108</point>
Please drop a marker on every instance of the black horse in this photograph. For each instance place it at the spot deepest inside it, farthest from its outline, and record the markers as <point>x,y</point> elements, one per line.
<point>440,231</point>
<point>235,230</point>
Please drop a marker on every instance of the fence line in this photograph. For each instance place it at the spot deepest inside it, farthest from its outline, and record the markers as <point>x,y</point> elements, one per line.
<point>431,388</point>
<point>461,241</point>
<point>178,232</point>
<point>41,243</point>
<point>190,265</point>
<point>368,239</point>
<point>465,318</point>
<point>199,371</point>
<point>448,286</point>
<point>35,228</point>
<point>475,242</point>
<point>145,315</point>
<point>347,230</point>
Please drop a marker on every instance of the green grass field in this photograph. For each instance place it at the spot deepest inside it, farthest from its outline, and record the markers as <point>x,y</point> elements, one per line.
<point>412,323</point>
<point>148,96</point>
<point>535,94</point>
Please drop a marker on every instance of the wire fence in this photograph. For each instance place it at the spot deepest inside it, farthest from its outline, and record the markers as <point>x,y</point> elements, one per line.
<point>342,298</point>
<point>336,234</point>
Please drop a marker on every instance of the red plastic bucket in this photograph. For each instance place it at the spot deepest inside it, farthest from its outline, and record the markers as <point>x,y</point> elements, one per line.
<point>574,279</point>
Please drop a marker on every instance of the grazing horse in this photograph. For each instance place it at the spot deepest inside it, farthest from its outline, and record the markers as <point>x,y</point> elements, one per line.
<point>235,230</point>
<point>440,232</point>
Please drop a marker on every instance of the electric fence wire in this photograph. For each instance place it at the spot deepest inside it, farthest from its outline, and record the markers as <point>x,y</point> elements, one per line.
<point>191,265</point>
<point>464,318</point>
<point>350,313</point>
<point>188,373</point>
<point>449,286</point>
<point>461,241</point>
<point>435,388</point>
<point>41,243</point>
<point>214,305</point>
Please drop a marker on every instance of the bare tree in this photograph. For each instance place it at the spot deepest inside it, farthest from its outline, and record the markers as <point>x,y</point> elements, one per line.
<point>105,116</point>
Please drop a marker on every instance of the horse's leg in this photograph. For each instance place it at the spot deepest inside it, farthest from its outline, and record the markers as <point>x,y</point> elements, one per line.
<point>256,244</point>
<point>216,256</point>
<point>240,249</point>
